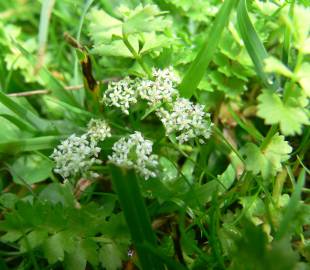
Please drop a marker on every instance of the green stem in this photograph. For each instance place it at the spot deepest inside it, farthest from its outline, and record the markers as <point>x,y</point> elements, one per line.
<point>278,186</point>
<point>272,131</point>
<point>219,133</point>
<point>136,56</point>
<point>287,37</point>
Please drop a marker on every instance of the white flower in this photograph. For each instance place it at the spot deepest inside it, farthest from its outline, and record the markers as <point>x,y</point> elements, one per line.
<point>121,94</point>
<point>187,120</point>
<point>75,156</point>
<point>98,130</point>
<point>166,75</point>
<point>135,152</point>
<point>162,89</point>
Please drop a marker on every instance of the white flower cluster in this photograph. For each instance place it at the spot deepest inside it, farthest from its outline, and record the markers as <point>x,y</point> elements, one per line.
<point>161,89</point>
<point>135,152</point>
<point>180,116</point>
<point>98,130</point>
<point>75,156</point>
<point>187,120</point>
<point>121,94</point>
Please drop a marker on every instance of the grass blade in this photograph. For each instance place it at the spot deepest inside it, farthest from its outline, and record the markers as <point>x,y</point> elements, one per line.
<point>292,206</point>
<point>46,10</point>
<point>253,44</point>
<point>20,123</point>
<point>29,144</point>
<point>136,216</point>
<point>50,82</point>
<point>198,67</point>
<point>23,113</point>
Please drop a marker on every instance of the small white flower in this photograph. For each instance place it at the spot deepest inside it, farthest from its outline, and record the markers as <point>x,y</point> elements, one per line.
<point>162,89</point>
<point>98,130</point>
<point>135,152</point>
<point>187,120</point>
<point>166,75</point>
<point>75,156</point>
<point>121,94</point>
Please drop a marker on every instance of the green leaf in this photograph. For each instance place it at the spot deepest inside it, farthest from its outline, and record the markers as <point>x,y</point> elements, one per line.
<point>304,77</point>
<point>252,42</point>
<point>117,48</point>
<point>144,19</point>
<point>49,81</point>
<point>137,218</point>
<point>152,41</point>
<point>77,259</point>
<point>34,239</point>
<point>53,248</point>
<point>31,168</point>
<point>227,178</point>
<point>29,144</point>
<point>290,115</point>
<point>23,113</point>
<point>292,206</point>
<point>18,122</point>
<point>58,193</point>
<point>110,256</point>
<point>102,27</point>
<point>198,67</point>
<point>269,160</point>
<point>11,131</point>
<point>254,208</point>
<point>272,64</point>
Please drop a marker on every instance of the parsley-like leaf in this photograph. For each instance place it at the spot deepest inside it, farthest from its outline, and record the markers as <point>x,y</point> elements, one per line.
<point>290,115</point>
<point>267,161</point>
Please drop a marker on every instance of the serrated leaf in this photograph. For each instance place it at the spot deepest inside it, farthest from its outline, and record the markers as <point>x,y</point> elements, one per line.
<point>232,86</point>
<point>153,41</point>
<point>34,239</point>
<point>110,256</point>
<point>269,160</point>
<point>76,260</point>
<point>117,48</point>
<point>290,115</point>
<point>145,19</point>
<point>102,27</point>
<point>254,208</point>
<point>53,248</point>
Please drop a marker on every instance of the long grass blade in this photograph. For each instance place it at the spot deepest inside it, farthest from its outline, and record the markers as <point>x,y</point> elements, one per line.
<point>198,67</point>
<point>20,123</point>
<point>253,44</point>
<point>29,144</point>
<point>292,206</point>
<point>49,81</point>
<point>23,113</point>
<point>130,198</point>
<point>46,10</point>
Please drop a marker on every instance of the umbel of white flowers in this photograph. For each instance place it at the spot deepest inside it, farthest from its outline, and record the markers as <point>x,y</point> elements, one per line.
<point>161,89</point>
<point>179,116</point>
<point>77,154</point>
<point>186,119</point>
<point>121,94</point>
<point>135,152</point>
<point>98,130</point>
